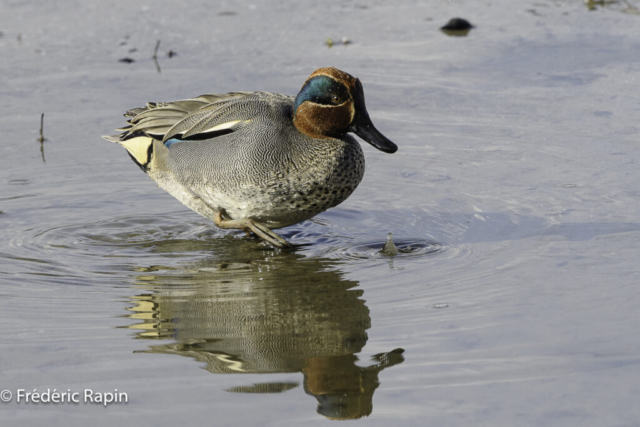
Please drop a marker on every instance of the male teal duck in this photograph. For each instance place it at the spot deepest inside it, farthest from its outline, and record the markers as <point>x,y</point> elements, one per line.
<point>257,161</point>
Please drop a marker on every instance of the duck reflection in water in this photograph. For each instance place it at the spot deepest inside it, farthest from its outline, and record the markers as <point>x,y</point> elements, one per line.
<point>280,314</point>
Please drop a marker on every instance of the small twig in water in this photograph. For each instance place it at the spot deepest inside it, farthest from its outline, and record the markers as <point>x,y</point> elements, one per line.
<point>155,51</point>
<point>42,139</point>
<point>155,56</point>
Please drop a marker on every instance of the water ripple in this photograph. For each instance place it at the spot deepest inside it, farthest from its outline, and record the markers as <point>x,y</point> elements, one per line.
<point>118,246</point>
<point>407,248</point>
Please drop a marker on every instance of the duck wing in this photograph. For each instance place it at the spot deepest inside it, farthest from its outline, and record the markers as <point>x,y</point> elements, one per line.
<point>191,128</point>
<point>156,119</point>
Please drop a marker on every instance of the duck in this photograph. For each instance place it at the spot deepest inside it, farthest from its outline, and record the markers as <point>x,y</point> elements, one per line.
<point>257,161</point>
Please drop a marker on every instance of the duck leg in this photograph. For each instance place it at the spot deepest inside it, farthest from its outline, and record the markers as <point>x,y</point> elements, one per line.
<point>247,224</point>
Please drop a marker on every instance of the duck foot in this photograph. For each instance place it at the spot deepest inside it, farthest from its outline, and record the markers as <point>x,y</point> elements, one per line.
<point>247,225</point>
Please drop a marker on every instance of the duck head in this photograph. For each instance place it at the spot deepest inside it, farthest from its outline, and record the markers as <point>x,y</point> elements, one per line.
<point>330,104</point>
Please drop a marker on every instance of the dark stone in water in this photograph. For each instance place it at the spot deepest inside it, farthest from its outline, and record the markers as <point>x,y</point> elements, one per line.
<point>457,27</point>
<point>457,24</point>
<point>126,60</point>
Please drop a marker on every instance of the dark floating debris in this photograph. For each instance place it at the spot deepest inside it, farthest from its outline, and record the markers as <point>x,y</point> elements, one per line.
<point>594,4</point>
<point>343,41</point>
<point>457,27</point>
<point>129,60</point>
<point>591,4</point>
<point>389,248</point>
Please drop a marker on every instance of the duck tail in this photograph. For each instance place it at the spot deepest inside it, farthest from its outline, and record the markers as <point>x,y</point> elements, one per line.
<point>139,146</point>
<point>112,138</point>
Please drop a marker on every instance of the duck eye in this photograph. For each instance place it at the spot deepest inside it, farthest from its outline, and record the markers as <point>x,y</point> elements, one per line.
<point>336,100</point>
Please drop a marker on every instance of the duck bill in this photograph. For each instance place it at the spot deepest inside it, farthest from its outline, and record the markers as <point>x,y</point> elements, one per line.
<point>364,128</point>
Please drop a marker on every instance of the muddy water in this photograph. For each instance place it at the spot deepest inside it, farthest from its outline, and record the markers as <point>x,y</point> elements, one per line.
<point>513,200</point>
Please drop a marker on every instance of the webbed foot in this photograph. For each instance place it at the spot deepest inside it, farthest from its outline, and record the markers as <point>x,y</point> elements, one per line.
<point>247,225</point>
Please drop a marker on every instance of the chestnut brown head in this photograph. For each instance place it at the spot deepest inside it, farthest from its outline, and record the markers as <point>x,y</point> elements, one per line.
<point>330,104</point>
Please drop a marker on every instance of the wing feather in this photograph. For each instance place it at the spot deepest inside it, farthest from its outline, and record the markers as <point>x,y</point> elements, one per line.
<point>157,118</point>
<point>196,118</point>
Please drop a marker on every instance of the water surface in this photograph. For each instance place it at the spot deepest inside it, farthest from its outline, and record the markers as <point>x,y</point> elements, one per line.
<point>514,196</point>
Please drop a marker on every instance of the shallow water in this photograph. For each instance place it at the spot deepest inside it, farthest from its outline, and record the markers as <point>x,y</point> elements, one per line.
<point>513,198</point>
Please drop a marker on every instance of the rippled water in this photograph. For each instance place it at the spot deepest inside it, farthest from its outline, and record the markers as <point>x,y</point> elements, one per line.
<point>513,201</point>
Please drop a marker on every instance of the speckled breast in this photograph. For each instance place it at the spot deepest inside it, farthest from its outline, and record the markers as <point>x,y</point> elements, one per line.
<point>313,181</point>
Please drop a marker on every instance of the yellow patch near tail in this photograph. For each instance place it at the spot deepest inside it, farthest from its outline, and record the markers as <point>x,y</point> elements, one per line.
<point>138,147</point>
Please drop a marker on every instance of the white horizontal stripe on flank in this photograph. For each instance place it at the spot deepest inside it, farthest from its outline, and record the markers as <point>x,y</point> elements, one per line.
<point>223,126</point>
